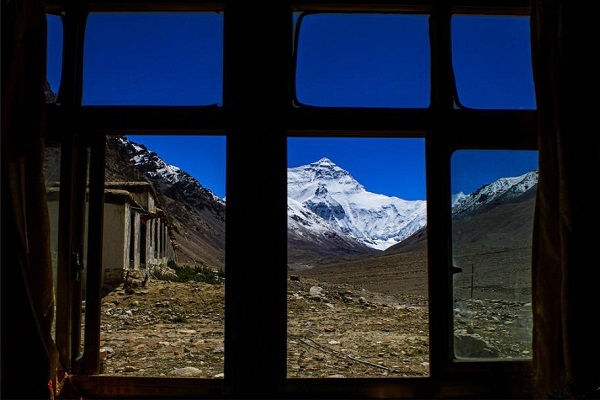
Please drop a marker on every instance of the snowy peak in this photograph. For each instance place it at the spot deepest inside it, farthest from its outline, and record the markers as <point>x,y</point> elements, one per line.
<point>327,169</point>
<point>320,178</point>
<point>332,194</point>
<point>325,162</point>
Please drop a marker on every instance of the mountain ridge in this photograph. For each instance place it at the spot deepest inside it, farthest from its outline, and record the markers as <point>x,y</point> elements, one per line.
<point>330,214</point>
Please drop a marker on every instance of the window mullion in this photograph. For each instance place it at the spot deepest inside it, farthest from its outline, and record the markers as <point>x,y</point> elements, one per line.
<point>438,191</point>
<point>91,356</point>
<point>72,200</point>
<point>255,100</point>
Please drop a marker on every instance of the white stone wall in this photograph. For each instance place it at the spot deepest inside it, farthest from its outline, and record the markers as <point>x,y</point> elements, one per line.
<point>136,240</point>
<point>151,203</point>
<point>115,247</point>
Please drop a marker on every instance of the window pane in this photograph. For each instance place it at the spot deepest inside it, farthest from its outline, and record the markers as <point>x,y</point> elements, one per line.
<point>492,222</point>
<point>357,258</point>
<point>164,256</point>
<point>80,293</point>
<point>491,57</point>
<point>153,59</point>
<point>54,56</point>
<point>363,60</point>
<point>52,177</point>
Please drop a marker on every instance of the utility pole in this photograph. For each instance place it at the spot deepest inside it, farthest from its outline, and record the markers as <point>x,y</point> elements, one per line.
<point>472,278</point>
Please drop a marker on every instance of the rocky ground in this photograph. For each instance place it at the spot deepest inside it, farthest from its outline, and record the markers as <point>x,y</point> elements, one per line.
<point>344,331</point>
<point>163,329</point>
<point>334,330</point>
<point>176,329</point>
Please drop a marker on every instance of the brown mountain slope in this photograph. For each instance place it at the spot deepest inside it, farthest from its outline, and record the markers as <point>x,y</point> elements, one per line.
<point>496,246</point>
<point>312,249</point>
<point>496,243</point>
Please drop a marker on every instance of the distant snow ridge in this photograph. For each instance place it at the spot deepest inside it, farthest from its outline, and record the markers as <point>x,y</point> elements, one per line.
<point>501,190</point>
<point>458,198</point>
<point>326,190</point>
<point>158,167</point>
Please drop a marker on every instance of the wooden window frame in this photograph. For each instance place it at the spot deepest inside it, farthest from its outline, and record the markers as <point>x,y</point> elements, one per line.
<point>259,113</point>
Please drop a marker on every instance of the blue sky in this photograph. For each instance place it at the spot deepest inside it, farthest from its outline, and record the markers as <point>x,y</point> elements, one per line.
<point>343,60</point>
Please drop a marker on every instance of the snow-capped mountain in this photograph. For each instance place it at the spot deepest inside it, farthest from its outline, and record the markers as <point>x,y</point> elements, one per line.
<point>323,196</point>
<point>502,190</point>
<point>330,214</point>
<point>326,190</point>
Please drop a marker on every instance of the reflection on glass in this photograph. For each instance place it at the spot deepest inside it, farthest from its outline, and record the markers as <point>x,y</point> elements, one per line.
<point>492,217</point>
<point>52,177</point>
<point>82,276</point>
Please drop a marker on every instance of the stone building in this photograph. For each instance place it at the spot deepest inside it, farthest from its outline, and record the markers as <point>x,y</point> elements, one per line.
<point>136,231</point>
<point>136,237</point>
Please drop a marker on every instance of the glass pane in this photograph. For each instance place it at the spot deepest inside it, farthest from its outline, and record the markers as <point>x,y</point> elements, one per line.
<point>164,256</point>
<point>357,258</point>
<point>52,176</point>
<point>153,59</point>
<point>80,295</point>
<point>491,57</point>
<point>363,60</point>
<point>492,222</point>
<point>54,56</point>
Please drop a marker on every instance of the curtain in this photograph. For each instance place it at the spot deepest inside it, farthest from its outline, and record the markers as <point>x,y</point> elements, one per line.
<point>566,263</point>
<point>29,356</point>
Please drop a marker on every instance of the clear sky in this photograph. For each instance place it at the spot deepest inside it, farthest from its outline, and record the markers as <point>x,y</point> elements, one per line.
<point>343,60</point>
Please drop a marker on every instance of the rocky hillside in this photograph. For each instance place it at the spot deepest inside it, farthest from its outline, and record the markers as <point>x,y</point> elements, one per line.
<point>196,214</point>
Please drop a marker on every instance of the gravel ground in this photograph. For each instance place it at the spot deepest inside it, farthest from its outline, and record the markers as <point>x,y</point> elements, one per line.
<point>334,330</point>
<point>176,329</point>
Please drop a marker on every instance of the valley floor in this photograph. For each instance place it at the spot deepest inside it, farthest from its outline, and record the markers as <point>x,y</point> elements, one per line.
<point>334,330</point>
<point>176,329</point>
